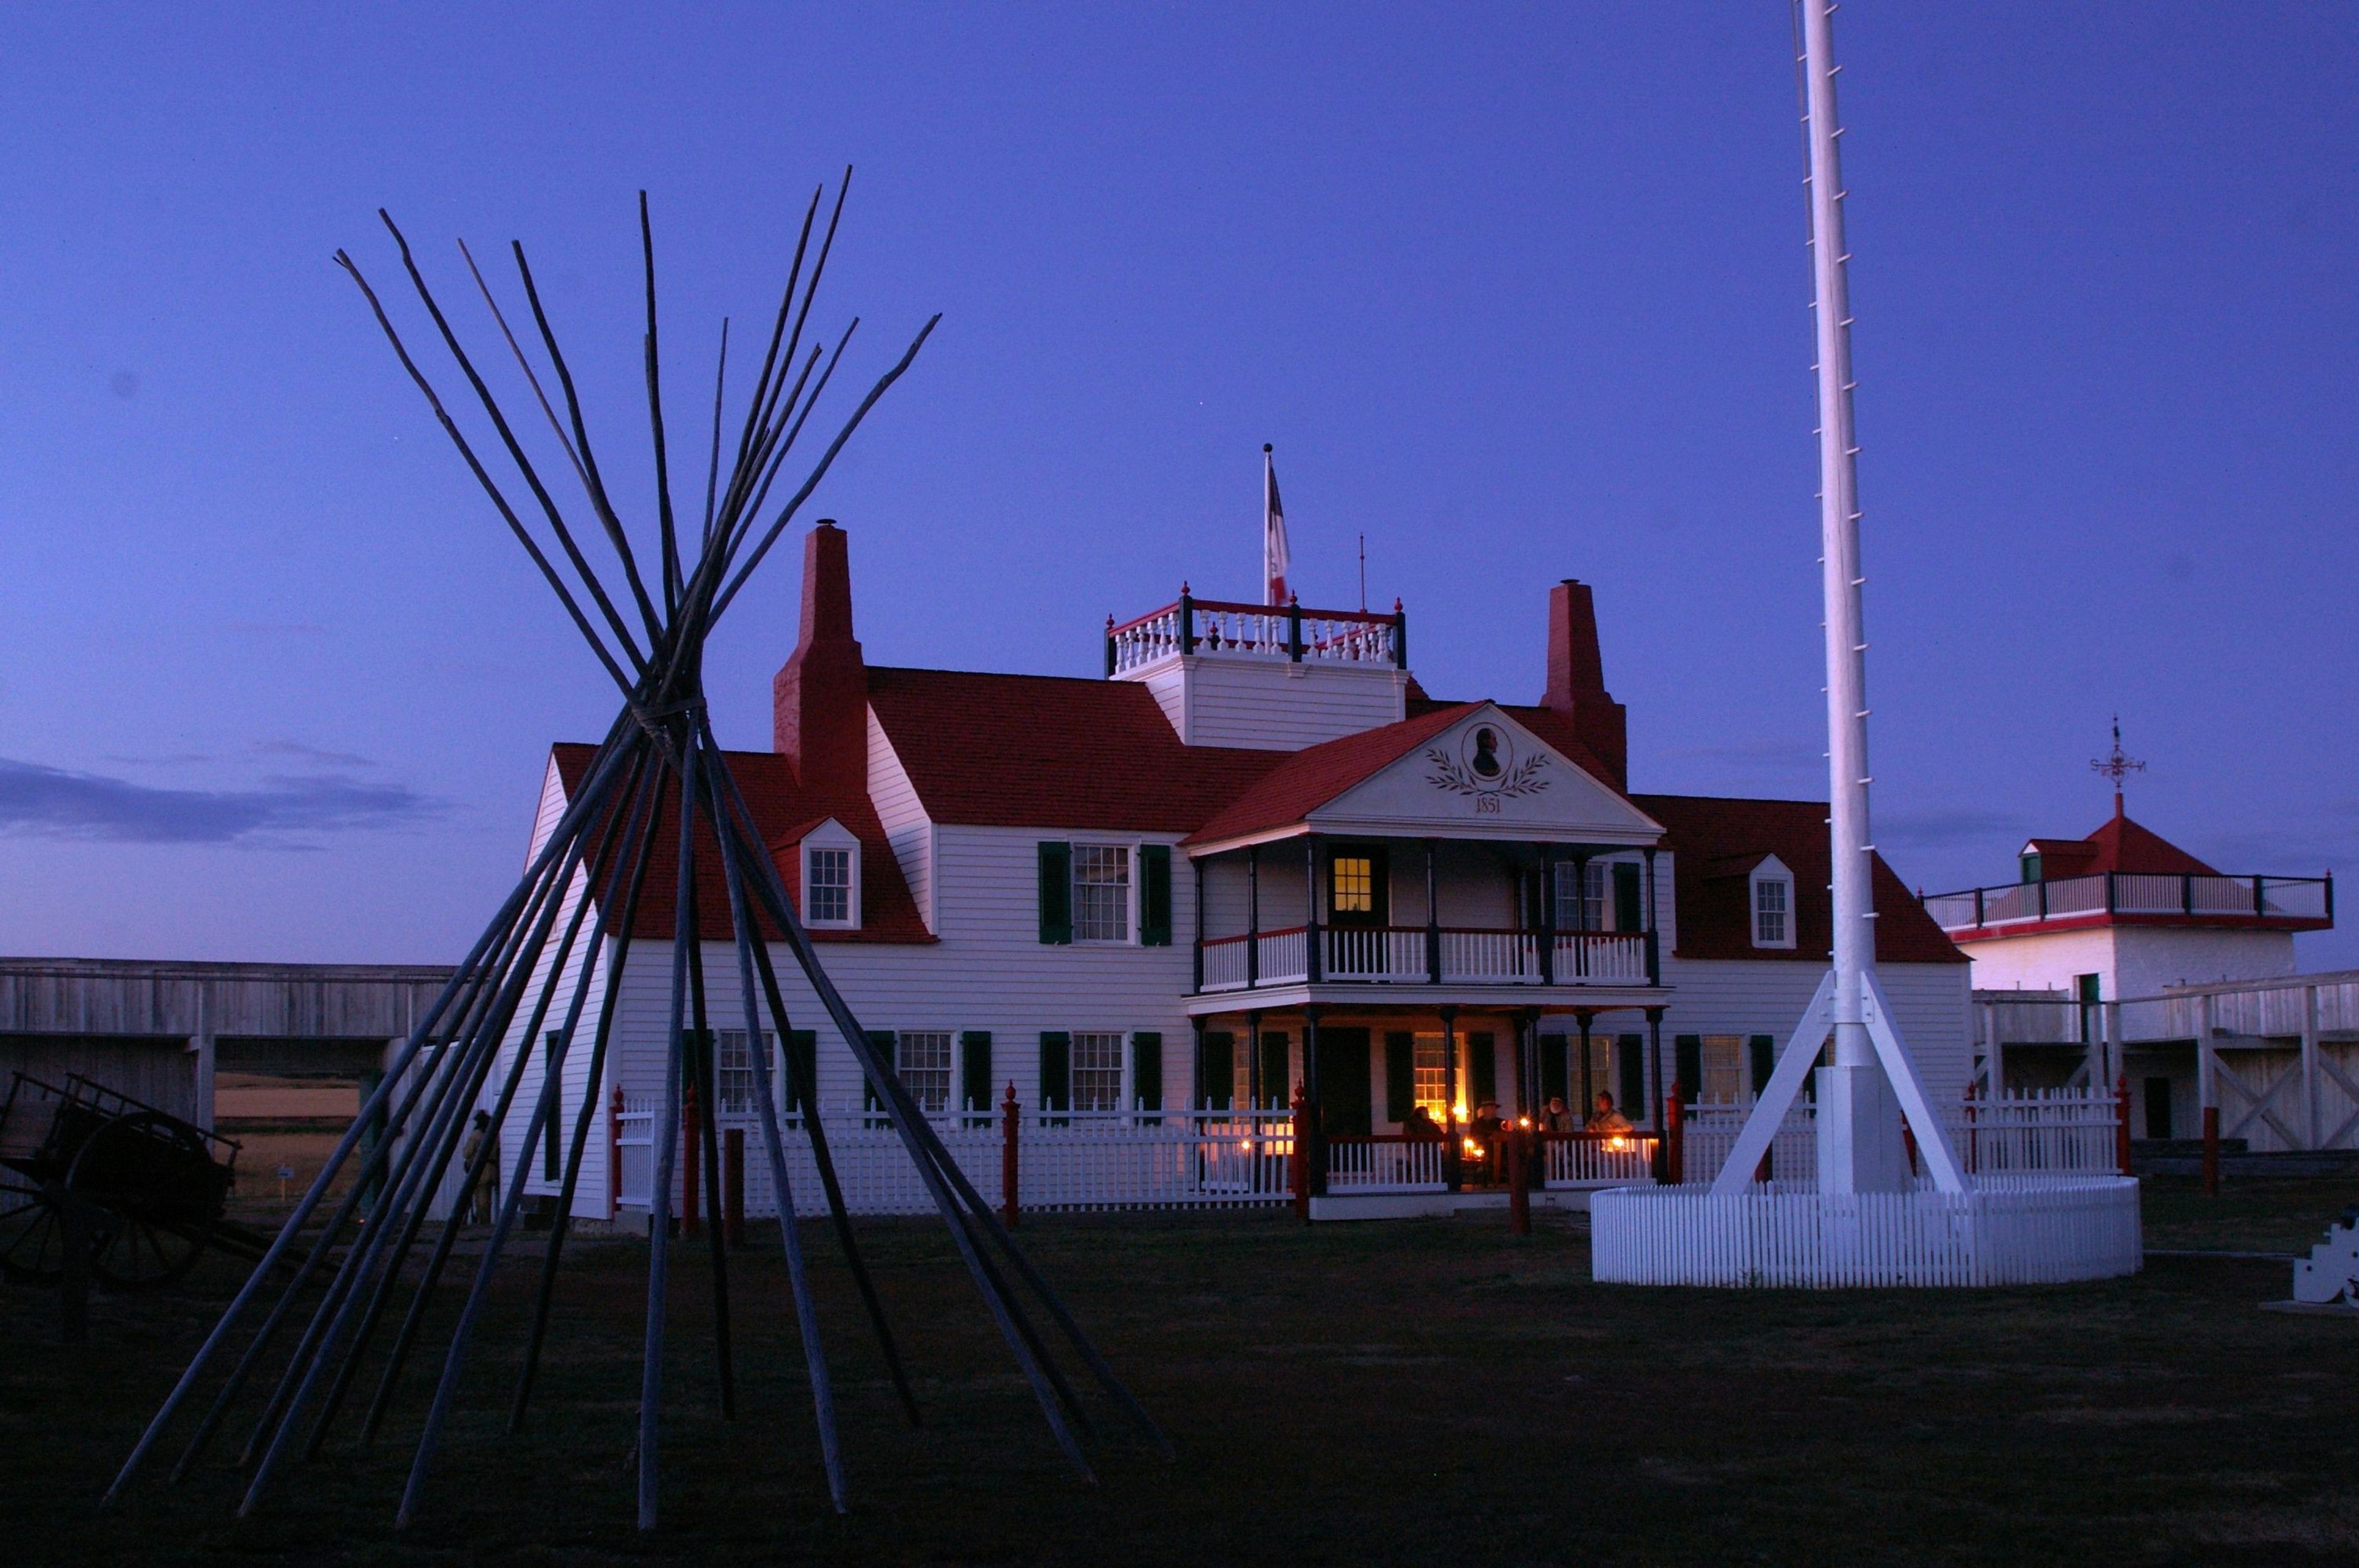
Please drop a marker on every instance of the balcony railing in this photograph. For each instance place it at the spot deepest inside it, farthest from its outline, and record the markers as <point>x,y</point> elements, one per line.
<point>1287,632</point>
<point>2211,899</point>
<point>1421,955</point>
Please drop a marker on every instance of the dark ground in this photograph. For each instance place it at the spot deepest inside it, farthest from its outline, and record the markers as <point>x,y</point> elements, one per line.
<point>1414,1392</point>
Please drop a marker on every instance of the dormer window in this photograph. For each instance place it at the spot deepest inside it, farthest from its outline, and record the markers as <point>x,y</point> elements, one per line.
<point>830,878</point>
<point>1773,904</point>
<point>2030,861</point>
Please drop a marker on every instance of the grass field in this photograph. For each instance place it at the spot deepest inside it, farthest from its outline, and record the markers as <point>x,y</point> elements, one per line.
<point>1414,1392</point>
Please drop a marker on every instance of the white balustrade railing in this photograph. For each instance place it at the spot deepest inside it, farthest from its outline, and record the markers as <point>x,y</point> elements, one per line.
<point>1224,963</point>
<point>1490,958</point>
<point>2050,1131</point>
<point>1211,627</point>
<point>1383,1164</point>
<point>1381,953</point>
<point>2135,892</point>
<point>1588,1158</point>
<point>1592,958</point>
<point>1284,956</point>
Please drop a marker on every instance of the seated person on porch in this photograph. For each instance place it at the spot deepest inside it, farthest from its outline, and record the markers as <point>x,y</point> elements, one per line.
<point>1608,1118</point>
<point>1486,1129</point>
<point>1421,1124</point>
<point>1557,1116</point>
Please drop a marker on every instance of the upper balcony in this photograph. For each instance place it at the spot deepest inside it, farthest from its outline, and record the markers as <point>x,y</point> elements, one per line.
<point>2133,898</point>
<point>1193,627</point>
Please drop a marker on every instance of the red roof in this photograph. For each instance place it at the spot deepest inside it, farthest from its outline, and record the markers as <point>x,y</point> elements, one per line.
<point>784,812</point>
<point>2122,845</point>
<point>1309,779</point>
<point>1000,751</point>
<point>1716,843</point>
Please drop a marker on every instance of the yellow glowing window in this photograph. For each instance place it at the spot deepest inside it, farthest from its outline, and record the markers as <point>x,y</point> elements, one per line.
<point>1354,881</point>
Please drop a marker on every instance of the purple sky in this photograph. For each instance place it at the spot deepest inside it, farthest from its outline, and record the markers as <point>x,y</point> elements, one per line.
<point>1519,294</point>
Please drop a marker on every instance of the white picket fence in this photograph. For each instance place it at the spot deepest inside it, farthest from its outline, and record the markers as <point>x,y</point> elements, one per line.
<point>2004,1230</point>
<point>1068,1161</point>
<point>2052,1131</point>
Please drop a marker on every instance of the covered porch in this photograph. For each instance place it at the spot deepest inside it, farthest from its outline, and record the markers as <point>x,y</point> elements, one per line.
<point>1403,1103</point>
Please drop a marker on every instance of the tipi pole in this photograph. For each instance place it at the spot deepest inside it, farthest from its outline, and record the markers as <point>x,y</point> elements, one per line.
<point>708,1098</point>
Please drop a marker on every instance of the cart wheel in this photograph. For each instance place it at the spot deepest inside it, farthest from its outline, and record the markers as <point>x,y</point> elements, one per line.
<point>149,1170</point>
<point>32,1242</point>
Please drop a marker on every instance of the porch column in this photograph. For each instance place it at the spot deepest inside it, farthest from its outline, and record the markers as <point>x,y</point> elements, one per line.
<point>1654,953</point>
<point>1548,914</point>
<point>1253,916</point>
<point>1253,1060</point>
<point>1197,1097</point>
<point>1311,907</point>
<point>1317,1131</point>
<point>1449,1148</point>
<point>1655,1062</point>
<point>1588,1091</point>
<point>1199,865</point>
<point>1432,921</point>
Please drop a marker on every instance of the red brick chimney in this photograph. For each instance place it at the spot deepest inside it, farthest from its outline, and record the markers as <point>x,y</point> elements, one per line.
<point>1576,679</point>
<point>819,701</point>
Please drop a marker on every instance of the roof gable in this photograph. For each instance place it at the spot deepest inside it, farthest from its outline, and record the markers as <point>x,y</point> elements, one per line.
<point>1481,773</point>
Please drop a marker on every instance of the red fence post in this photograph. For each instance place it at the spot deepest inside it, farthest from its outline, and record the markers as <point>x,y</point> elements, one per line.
<point>1011,1117</point>
<point>732,1186</point>
<point>691,1127</point>
<point>1298,1162</point>
<point>1519,1178</point>
<point>615,1152</point>
<point>1675,1152</point>
<point>2210,1150</point>
<point>2122,1123</point>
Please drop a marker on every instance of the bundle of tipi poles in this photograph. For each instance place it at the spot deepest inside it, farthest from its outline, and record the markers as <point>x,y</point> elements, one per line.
<point>322,1336</point>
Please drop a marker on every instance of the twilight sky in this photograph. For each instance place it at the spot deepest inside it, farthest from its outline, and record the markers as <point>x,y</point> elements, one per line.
<point>1519,293</point>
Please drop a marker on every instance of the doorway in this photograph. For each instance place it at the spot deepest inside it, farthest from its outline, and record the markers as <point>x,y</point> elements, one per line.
<point>1345,1082</point>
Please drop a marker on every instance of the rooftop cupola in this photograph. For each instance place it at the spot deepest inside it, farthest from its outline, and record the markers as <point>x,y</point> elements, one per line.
<point>819,700</point>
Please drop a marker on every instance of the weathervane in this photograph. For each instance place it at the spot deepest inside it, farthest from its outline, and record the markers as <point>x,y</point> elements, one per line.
<point>2118,766</point>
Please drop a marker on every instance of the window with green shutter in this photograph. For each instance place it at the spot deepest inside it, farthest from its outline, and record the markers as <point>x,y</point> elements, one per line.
<point>1216,1070</point>
<point>1763,1048</point>
<point>1146,1073</point>
<point>801,1087</point>
<point>880,1041</point>
<point>1630,1092</point>
<point>1688,1054</point>
<point>1056,1073</point>
<point>1629,914</point>
<point>1401,1075</point>
<point>1277,1087</point>
<point>1155,895</point>
<point>977,1093</point>
<point>1055,893</point>
<point>1482,1069</point>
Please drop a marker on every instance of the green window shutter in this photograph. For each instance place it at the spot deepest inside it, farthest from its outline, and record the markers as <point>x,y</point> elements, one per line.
<point>1277,1087</point>
<point>975,1087</point>
<point>1055,1070</point>
<point>1481,1068</point>
<point>1146,1070</point>
<point>1155,895</point>
<point>882,1041</point>
<point>1763,1049</point>
<point>1687,1053</point>
<point>1055,893</point>
<point>1555,1058</point>
<point>803,1069</point>
<point>1401,1075</point>
<point>1216,1070</point>
<point>550,1159</point>
<point>1629,911</point>
<point>1630,1092</point>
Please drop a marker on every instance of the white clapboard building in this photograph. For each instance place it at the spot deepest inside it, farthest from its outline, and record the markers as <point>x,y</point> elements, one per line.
<point>1253,858</point>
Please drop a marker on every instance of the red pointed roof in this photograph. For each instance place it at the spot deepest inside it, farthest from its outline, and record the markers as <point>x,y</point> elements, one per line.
<point>2122,845</point>
<point>1309,779</point>
<point>784,812</point>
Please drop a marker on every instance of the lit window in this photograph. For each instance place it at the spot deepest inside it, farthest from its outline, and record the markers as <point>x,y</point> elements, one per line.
<point>1097,1072</point>
<point>1432,1075</point>
<point>1724,1069</point>
<point>1772,917</point>
<point>1101,892</point>
<point>733,1071</point>
<point>827,895</point>
<point>922,1057</point>
<point>1353,882</point>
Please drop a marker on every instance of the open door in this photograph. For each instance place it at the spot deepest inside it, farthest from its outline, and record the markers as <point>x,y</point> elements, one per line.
<point>1345,1082</point>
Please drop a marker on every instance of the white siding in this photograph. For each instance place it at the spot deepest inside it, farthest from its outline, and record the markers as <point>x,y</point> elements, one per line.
<point>1273,705</point>
<point>906,826</point>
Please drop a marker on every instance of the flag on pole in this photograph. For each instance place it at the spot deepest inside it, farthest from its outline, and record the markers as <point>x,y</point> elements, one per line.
<point>1274,558</point>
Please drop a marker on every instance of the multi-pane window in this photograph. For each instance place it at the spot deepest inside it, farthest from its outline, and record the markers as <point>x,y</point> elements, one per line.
<point>733,1071</point>
<point>1097,1072</point>
<point>1580,896</point>
<point>1353,882</point>
<point>922,1057</point>
<point>1101,892</point>
<point>1432,1076</point>
<point>827,892</point>
<point>1724,1070</point>
<point>1771,926</point>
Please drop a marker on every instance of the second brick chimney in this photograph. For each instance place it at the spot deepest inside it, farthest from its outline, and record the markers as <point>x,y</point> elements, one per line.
<point>819,702</point>
<point>1576,679</point>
